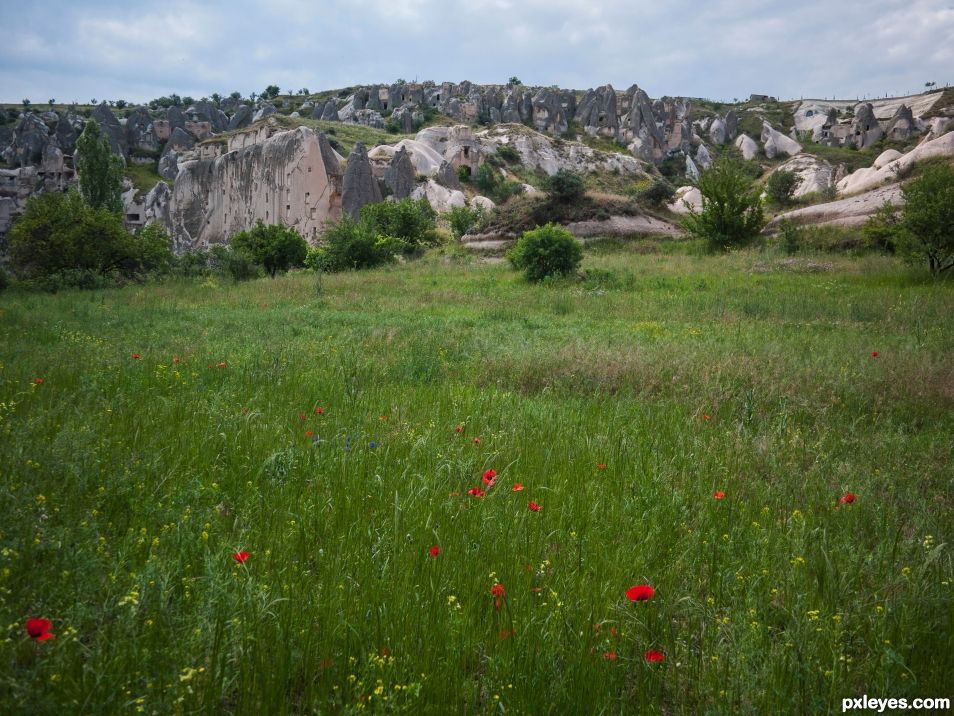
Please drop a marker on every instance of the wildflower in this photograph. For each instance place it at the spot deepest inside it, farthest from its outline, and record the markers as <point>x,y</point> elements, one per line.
<point>383,417</point>
<point>223,364</point>
<point>706,418</point>
<point>640,593</point>
<point>875,354</point>
<point>719,495</point>
<point>498,589</point>
<point>135,356</point>
<point>176,360</point>
<point>517,487</point>
<point>534,507</point>
<point>476,441</point>
<point>602,466</point>
<point>301,417</point>
<point>240,557</point>
<point>490,476</point>
<point>319,411</point>
<point>309,434</point>
<point>434,551</point>
<point>459,429</point>
<point>39,629</point>
<point>652,656</point>
<point>609,655</point>
<point>476,492</point>
<point>38,381</point>
<point>848,498</point>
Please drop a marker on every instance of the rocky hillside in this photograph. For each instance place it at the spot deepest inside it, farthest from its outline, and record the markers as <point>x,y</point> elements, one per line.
<point>210,169</point>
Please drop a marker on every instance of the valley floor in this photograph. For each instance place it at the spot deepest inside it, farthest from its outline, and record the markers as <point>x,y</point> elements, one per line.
<point>692,423</point>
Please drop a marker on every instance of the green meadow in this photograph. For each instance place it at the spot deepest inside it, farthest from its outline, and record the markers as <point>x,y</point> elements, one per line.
<point>332,427</point>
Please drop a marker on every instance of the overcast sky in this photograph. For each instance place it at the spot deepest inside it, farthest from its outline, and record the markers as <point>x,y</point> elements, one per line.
<point>720,49</point>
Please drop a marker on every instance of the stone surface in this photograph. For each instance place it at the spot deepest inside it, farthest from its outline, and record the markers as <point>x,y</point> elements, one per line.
<point>483,202</point>
<point>646,139</point>
<point>179,143</point>
<point>717,132</point>
<point>815,176</point>
<point>399,176</point>
<point>596,112</point>
<point>844,212</point>
<point>865,179</point>
<point>775,143</point>
<point>439,197</point>
<point>703,158</point>
<point>286,178</point>
<point>865,128</point>
<point>263,111</point>
<point>745,144</point>
<point>330,112</point>
<point>624,226</point>
<point>403,117</point>
<point>113,130</point>
<point>425,159</point>
<point>686,195</point>
<point>241,118</point>
<point>140,133</point>
<point>447,176</point>
<point>901,126</point>
<point>359,188</point>
<point>692,171</point>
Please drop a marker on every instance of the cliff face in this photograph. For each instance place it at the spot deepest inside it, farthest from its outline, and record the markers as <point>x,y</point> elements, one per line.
<point>291,178</point>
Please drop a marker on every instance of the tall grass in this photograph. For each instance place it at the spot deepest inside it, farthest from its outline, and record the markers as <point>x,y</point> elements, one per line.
<point>621,405</point>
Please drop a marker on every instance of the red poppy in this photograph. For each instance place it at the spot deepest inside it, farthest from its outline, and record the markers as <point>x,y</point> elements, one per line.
<point>601,466</point>
<point>383,417</point>
<point>309,434</point>
<point>614,631</point>
<point>490,477</point>
<point>517,487</point>
<point>534,507</point>
<point>223,364</point>
<point>498,590</point>
<point>875,354</point>
<point>301,417</point>
<point>653,656</point>
<point>609,655</point>
<point>706,418</point>
<point>176,359</point>
<point>240,557</point>
<point>459,429</point>
<point>848,498</point>
<point>135,356</point>
<point>39,381</point>
<point>719,495</point>
<point>640,593</point>
<point>434,551</point>
<point>476,492</point>
<point>476,441</point>
<point>319,411</point>
<point>39,629</point>
<point>210,365</point>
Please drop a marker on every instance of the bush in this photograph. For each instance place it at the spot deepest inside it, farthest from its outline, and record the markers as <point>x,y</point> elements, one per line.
<point>59,234</point>
<point>658,193</point>
<point>546,251</point>
<point>508,154</point>
<point>731,212</point>
<point>352,245</point>
<point>409,220</point>
<point>927,220</point>
<point>462,219</point>
<point>881,230</point>
<point>241,265</point>
<point>790,235</point>
<point>275,247</point>
<point>565,187</point>
<point>781,186</point>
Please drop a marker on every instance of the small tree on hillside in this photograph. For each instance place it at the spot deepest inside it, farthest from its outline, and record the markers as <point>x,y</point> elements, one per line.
<point>100,171</point>
<point>565,187</point>
<point>731,212</point>
<point>276,248</point>
<point>927,221</point>
<point>781,186</point>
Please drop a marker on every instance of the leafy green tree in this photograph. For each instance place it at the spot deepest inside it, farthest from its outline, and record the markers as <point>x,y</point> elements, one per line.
<point>351,245</point>
<point>236,95</point>
<point>514,81</point>
<point>548,250</point>
<point>565,187</point>
<point>100,171</point>
<point>411,221</point>
<point>927,220</point>
<point>271,91</point>
<point>462,219</point>
<point>781,186</point>
<point>731,213</point>
<point>274,247</point>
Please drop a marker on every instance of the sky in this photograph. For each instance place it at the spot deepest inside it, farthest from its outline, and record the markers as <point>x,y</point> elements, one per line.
<point>720,49</point>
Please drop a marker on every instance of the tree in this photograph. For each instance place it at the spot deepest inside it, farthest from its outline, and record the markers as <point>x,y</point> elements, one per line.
<point>731,212</point>
<point>275,247</point>
<point>546,251</point>
<point>514,81</point>
<point>216,99</point>
<point>120,103</point>
<point>781,187</point>
<point>927,220</point>
<point>565,187</point>
<point>100,171</point>
<point>236,95</point>
<point>271,91</point>
<point>26,103</point>
<point>51,102</point>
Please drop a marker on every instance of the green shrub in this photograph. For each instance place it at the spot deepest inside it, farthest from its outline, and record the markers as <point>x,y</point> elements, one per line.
<point>781,186</point>
<point>274,247</point>
<point>351,245</point>
<point>409,220</point>
<point>60,233</point>
<point>546,251</point>
<point>486,179</point>
<point>656,194</point>
<point>508,154</point>
<point>463,218</point>
<point>463,174</point>
<point>565,187</point>
<point>882,229</point>
<point>731,212</point>
<point>927,220</point>
<point>790,236</point>
<point>241,265</point>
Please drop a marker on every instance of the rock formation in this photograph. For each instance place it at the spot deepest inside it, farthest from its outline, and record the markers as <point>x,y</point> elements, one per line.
<point>775,143</point>
<point>399,176</point>
<point>359,187</point>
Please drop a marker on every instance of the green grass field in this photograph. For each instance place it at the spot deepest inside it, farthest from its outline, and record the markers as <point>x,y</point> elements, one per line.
<point>621,403</point>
